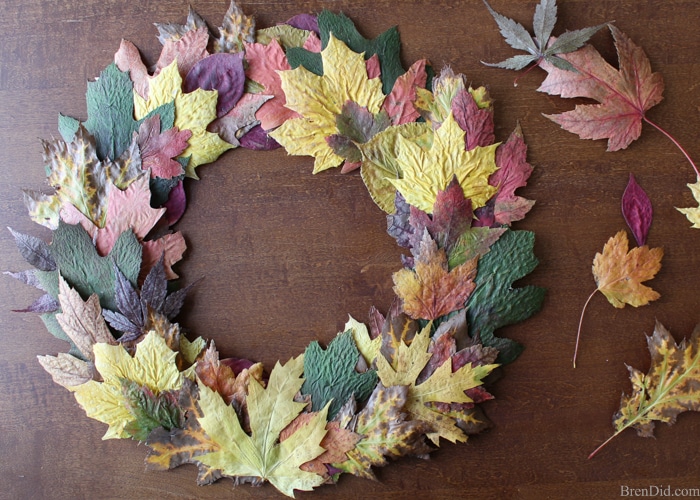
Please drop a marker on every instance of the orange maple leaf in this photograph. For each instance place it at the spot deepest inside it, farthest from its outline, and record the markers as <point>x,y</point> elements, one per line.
<point>619,275</point>
<point>431,290</point>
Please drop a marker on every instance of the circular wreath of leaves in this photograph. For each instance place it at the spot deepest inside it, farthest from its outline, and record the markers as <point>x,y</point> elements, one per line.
<point>426,150</point>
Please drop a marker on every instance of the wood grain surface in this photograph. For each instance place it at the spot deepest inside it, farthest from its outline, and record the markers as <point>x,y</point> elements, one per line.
<point>286,256</point>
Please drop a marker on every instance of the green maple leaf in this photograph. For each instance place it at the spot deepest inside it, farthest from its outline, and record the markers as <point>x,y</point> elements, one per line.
<point>84,269</point>
<point>495,303</point>
<point>261,454</point>
<point>387,46</point>
<point>110,107</point>
<point>386,432</point>
<point>539,47</point>
<point>330,375</point>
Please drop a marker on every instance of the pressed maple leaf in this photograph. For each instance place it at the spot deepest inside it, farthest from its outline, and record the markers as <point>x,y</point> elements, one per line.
<point>428,171</point>
<point>399,104</point>
<point>693,213</point>
<point>344,79</point>
<point>260,454</point>
<point>540,47</point>
<point>152,367</point>
<point>669,388</point>
<point>236,29</point>
<point>431,290</point>
<point>174,31</point>
<point>193,111</point>
<point>287,36</point>
<point>386,430</point>
<point>443,386</point>
<point>160,147</point>
<point>368,346</point>
<point>619,275</point>
<point>625,95</point>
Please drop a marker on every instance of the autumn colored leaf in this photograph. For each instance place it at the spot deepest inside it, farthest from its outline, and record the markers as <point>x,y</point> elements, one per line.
<point>624,95</point>
<point>541,48</point>
<point>496,302</point>
<point>235,31</point>
<point>398,105</point>
<point>619,275</point>
<point>386,431</point>
<point>160,147</point>
<point>444,385</point>
<point>285,35</point>
<point>170,448</point>
<point>221,72</point>
<point>193,111</point>
<point>397,329</point>
<point>260,454</point>
<point>428,171</point>
<point>187,50</point>
<point>174,31</point>
<point>668,389</point>
<point>344,79</point>
<point>67,370</point>
<point>337,442</point>
<point>152,367</point>
<point>330,377</point>
<point>128,60</point>
<point>693,213</point>
<point>240,120</point>
<point>637,210</point>
<point>431,290</point>
<point>368,346</point>
<point>81,179</point>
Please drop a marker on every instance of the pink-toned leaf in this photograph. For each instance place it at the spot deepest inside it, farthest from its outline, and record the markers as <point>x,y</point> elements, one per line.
<point>158,150</point>
<point>307,22</point>
<point>399,103</point>
<point>476,122</point>
<point>264,61</point>
<point>171,247</point>
<point>624,95</point>
<point>176,204</point>
<point>313,43</point>
<point>128,59</point>
<point>374,69</point>
<point>188,50</point>
<point>637,210</point>
<point>221,72</point>
<point>240,120</point>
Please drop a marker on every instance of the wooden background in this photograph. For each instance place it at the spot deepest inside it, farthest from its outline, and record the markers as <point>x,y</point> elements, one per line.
<point>286,256</point>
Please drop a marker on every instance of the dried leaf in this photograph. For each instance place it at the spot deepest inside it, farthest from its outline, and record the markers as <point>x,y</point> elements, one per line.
<point>221,72</point>
<point>159,148</point>
<point>173,31</point>
<point>187,50</point>
<point>624,95</point>
<point>236,29</point>
<point>241,119</point>
<point>35,251</point>
<point>67,370</point>
<point>693,214</point>
<point>399,103</point>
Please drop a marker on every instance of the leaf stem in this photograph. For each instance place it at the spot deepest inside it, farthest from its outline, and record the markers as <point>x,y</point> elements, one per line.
<point>674,141</point>
<point>580,323</point>
<point>595,452</point>
<point>535,65</point>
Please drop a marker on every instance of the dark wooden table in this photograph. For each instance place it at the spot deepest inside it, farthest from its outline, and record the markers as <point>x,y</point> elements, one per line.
<point>286,256</point>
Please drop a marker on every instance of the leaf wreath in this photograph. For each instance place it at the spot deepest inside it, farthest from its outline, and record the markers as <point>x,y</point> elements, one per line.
<point>315,86</point>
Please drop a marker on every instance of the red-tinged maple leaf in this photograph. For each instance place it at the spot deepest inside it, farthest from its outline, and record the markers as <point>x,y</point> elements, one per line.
<point>264,61</point>
<point>374,69</point>
<point>476,122</point>
<point>624,95</point>
<point>513,172</point>
<point>158,149</point>
<point>128,59</point>
<point>399,103</point>
<point>431,290</point>
<point>188,50</point>
<point>131,209</point>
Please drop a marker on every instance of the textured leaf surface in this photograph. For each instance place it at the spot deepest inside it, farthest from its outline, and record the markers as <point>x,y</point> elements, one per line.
<point>624,95</point>
<point>221,72</point>
<point>236,29</point>
<point>270,410</point>
<point>160,148</point>
<point>693,213</point>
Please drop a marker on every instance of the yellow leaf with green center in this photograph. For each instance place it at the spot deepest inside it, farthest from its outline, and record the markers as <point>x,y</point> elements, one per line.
<point>153,367</point>
<point>193,111</point>
<point>428,171</point>
<point>320,99</point>
<point>262,454</point>
<point>442,386</point>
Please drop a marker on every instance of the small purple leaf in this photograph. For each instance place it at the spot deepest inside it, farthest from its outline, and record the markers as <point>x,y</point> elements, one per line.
<point>221,72</point>
<point>637,211</point>
<point>176,204</point>
<point>128,300</point>
<point>120,322</point>
<point>44,304</point>
<point>34,251</point>
<point>257,139</point>
<point>307,22</point>
<point>155,287</point>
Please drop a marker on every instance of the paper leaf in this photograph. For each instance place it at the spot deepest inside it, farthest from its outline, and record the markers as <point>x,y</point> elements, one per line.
<point>428,171</point>
<point>386,432</point>
<point>270,411</point>
<point>624,95</point>
<point>344,79</point>
<point>496,302</point>
<point>431,290</point>
<point>221,72</point>
<point>330,376</point>
<point>152,367</point>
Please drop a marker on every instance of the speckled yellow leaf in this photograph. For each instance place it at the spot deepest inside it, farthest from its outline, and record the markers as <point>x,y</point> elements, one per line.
<point>319,100</point>
<point>153,366</point>
<point>193,111</point>
<point>427,171</point>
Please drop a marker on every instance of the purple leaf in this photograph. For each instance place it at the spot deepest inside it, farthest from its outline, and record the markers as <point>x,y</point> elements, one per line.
<point>306,22</point>
<point>221,72</point>
<point>477,123</point>
<point>120,322</point>
<point>28,278</point>
<point>637,211</point>
<point>175,301</point>
<point>176,204</point>
<point>237,364</point>
<point>398,225</point>
<point>128,300</point>
<point>34,251</point>
<point>155,287</point>
<point>44,304</point>
<point>258,140</point>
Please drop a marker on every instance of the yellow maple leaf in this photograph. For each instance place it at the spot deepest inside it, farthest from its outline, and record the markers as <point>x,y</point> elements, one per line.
<point>693,213</point>
<point>320,99</point>
<point>153,366</point>
<point>442,386</point>
<point>368,347</point>
<point>193,112</point>
<point>427,171</point>
<point>619,275</point>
